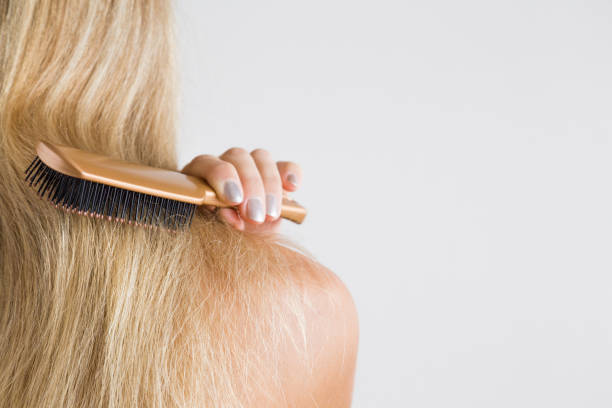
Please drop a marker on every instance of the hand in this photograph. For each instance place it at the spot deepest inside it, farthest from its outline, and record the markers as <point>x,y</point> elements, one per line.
<point>252,182</point>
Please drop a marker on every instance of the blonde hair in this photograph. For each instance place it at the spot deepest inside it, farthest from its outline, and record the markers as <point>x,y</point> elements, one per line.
<point>96,313</point>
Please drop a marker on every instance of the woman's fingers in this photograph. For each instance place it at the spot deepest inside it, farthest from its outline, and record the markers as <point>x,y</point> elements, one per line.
<point>272,183</point>
<point>291,175</point>
<point>221,175</point>
<point>253,208</point>
<point>253,182</point>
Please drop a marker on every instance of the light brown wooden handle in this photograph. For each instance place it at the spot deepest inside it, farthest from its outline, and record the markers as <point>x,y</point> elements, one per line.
<point>292,210</point>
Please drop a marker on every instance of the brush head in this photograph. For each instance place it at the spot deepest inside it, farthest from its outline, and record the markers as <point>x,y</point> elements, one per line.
<point>99,186</point>
<point>98,168</point>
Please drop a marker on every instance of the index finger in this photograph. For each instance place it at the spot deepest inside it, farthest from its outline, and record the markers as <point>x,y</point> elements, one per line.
<point>221,175</point>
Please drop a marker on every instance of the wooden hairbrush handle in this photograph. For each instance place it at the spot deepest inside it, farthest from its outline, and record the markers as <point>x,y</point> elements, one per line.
<point>292,211</point>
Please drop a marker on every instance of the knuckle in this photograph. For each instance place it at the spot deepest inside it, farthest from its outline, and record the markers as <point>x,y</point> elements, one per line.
<point>222,168</point>
<point>261,153</point>
<point>294,166</point>
<point>273,186</point>
<point>291,167</point>
<point>252,182</point>
<point>273,182</point>
<point>236,151</point>
<point>201,158</point>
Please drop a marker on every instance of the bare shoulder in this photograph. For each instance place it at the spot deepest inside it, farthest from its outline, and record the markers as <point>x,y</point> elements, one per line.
<point>283,327</point>
<point>320,351</point>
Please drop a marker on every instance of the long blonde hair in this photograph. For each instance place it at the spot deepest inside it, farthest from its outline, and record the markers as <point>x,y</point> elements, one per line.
<point>96,313</point>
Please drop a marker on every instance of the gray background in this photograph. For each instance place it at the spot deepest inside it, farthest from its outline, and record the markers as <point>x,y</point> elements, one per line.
<point>457,168</point>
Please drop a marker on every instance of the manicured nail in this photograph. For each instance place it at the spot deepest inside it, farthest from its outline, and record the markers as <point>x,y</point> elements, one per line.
<point>272,205</point>
<point>255,210</point>
<point>292,179</point>
<point>232,191</point>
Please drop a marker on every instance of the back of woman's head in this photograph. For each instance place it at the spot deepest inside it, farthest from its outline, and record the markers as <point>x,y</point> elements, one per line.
<point>97,313</point>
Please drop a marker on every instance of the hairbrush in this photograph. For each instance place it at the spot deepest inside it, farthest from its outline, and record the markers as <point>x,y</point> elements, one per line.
<point>102,187</point>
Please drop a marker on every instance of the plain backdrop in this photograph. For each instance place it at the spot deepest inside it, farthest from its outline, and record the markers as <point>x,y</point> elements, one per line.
<point>457,166</point>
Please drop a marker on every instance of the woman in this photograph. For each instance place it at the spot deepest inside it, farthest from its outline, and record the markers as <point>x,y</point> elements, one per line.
<point>100,314</point>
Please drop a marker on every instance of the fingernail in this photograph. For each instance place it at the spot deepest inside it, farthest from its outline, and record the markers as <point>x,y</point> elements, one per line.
<point>232,191</point>
<point>271,205</point>
<point>255,210</point>
<point>292,179</point>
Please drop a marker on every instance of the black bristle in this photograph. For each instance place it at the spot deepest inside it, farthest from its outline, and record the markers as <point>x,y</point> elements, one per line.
<point>104,200</point>
<point>131,210</point>
<point>44,179</point>
<point>57,186</point>
<point>171,217</point>
<point>147,217</point>
<point>138,211</point>
<point>70,187</point>
<point>182,216</point>
<point>64,191</point>
<point>143,209</point>
<point>33,168</point>
<point>169,212</point>
<point>101,200</point>
<point>132,206</point>
<point>126,204</point>
<point>116,212</point>
<point>191,212</point>
<point>134,215</point>
<point>154,205</point>
<point>36,176</point>
<point>76,195</point>
<point>121,205</point>
<point>50,184</point>
<point>146,207</point>
<point>176,214</point>
<point>184,211</point>
<point>59,189</point>
<point>91,196</point>
<point>95,200</point>
<point>79,196</point>
<point>85,191</point>
<point>94,196</point>
<point>31,165</point>
<point>179,216</point>
<point>70,197</point>
<point>58,179</point>
<point>189,215</point>
<point>160,211</point>
<point>113,201</point>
